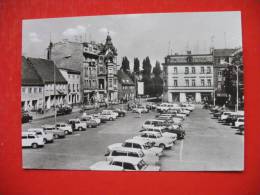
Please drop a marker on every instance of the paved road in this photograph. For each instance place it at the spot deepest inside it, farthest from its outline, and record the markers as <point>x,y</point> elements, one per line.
<point>207,146</point>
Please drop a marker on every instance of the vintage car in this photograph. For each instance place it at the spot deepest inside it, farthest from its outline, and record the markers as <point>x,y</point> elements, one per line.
<point>31,139</point>
<point>47,137</point>
<point>132,152</point>
<point>78,124</point>
<point>56,132</point>
<point>64,127</point>
<point>156,138</point>
<point>121,112</point>
<point>163,132</point>
<point>126,163</point>
<point>146,146</point>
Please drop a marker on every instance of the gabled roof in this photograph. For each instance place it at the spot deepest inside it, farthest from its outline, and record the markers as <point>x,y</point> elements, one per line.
<point>124,79</point>
<point>45,69</point>
<point>223,52</point>
<point>30,76</point>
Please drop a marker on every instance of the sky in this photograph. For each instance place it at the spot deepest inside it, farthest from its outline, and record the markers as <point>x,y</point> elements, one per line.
<point>138,35</point>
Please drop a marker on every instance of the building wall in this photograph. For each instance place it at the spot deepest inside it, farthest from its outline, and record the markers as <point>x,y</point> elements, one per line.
<point>32,97</point>
<point>73,79</point>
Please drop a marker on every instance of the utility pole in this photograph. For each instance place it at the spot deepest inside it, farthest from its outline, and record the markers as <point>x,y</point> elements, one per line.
<point>237,90</point>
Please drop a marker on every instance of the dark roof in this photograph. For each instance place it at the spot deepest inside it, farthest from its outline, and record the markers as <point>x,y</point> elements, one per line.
<point>223,52</point>
<point>124,79</point>
<point>70,71</point>
<point>45,69</point>
<point>29,75</point>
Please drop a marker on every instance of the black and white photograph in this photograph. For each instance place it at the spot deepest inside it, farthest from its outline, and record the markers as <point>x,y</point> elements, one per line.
<point>134,92</point>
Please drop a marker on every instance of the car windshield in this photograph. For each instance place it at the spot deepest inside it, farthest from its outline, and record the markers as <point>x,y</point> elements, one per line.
<point>141,165</point>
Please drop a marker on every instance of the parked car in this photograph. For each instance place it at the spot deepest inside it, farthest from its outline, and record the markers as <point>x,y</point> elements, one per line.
<point>103,118</point>
<point>64,127</point>
<point>146,146</point>
<point>179,131</point>
<point>140,109</point>
<point>224,116</point>
<point>121,112</point>
<point>241,129</point>
<point>26,117</point>
<point>164,133</point>
<point>86,117</point>
<point>31,139</point>
<point>150,123</point>
<point>132,152</point>
<point>156,138</point>
<point>78,125</point>
<point>90,122</point>
<point>110,114</point>
<point>239,121</point>
<point>56,132</point>
<point>126,163</point>
<point>47,137</point>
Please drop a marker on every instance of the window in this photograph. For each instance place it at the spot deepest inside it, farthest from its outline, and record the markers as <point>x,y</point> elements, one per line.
<point>128,145</point>
<point>202,82</point>
<point>73,87</point>
<point>220,73</point>
<point>187,82</point>
<point>175,71</point>
<point>29,90</point>
<point>117,163</point>
<point>40,89</point>
<point>193,83</point>
<point>175,83</point>
<point>117,153</point>
<point>110,83</point>
<point>128,166</point>
<point>35,90</point>
<point>202,70</point>
<point>69,87</point>
<point>193,70</point>
<point>77,87</point>
<point>133,154</point>
<point>209,82</point>
<point>186,70</point>
<point>208,70</point>
<point>23,89</point>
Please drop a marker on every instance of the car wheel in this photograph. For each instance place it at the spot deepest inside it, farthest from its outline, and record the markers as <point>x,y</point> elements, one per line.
<point>44,140</point>
<point>80,128</point>
<point>90,126</point>
<point>56,136</point>
<point>66,132</point>
<point>162,146</point>
<point>110,118</point>
<point>34,145</point>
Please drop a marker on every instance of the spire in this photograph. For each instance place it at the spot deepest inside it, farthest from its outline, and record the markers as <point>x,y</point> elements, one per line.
<point>49,49</point>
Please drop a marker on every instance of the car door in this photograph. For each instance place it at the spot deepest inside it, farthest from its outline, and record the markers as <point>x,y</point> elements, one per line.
<point>128,166</point>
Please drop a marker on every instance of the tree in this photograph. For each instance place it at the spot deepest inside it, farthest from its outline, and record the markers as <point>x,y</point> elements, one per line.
<point>157,82</point>
<point>147,67</point>
<point>125,65</point>
<point>157,69</point>
<point>136,65</point>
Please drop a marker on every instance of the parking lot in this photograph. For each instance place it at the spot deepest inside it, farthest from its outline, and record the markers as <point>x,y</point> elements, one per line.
<point>208,145</point>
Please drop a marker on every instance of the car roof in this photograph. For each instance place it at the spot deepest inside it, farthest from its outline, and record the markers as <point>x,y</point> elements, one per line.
<point>133,160</point>
<point>121,148</point>
<point>156,120</point>
<point>140,141</point>
<point>150,132</point>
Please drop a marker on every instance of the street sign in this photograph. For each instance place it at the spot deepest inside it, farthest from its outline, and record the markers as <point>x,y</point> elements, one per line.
<point>140,88</point>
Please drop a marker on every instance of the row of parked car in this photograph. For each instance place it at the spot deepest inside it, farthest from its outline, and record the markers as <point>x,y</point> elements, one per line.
<point>234,119</point>
<point>143,151</point>
<point>38,137</point>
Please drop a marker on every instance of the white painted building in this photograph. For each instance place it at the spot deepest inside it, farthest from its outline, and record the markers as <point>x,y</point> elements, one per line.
<point>188,77</point>
<point>73,79</point>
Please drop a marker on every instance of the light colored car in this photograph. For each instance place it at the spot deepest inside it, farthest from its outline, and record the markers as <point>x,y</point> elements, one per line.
<point>140,109</point>
<point>90,117</point>
<point>225,115</point>
<point>110,112</point>
<point>31,139</point>
<point>64,127</point>
<point>166,134</point>
<point>151,123</point>
<point>79,125</point>
<point>239,122</point>
<point>188,107</point>
<point>126,163</point>
<point>146,146</point>
<point>47,137</point>
<point>105,166</point>
<point>56,132</point>
<point>156,138</point>
<point>111,116</point>
<point>132,152</point>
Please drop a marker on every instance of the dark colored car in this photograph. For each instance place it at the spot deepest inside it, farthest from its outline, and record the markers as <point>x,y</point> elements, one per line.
<point>26,117</point>
<point>120,112</point>
<point>64,110</point>
<point>180,132</point>
<point>217,114</point>
<point>241,129</point>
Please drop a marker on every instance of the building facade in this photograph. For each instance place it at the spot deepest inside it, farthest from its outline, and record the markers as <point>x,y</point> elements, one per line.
<point>188,78</point>
<point>97,64</point>
<point>126,87</point>
<point>54,84</point>
<point>222,59</point>
<point>32,97</point>
<point>73,79</point>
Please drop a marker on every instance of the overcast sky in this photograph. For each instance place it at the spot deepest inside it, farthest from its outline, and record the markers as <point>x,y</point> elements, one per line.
<point>139,35</point>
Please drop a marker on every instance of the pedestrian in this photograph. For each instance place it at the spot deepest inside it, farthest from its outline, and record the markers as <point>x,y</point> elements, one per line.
<point>139,112</point>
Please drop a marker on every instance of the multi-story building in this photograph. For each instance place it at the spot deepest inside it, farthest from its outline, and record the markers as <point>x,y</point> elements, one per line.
<point>32,88</point>
<point>97,64</point>
<point>222,59</point>
<point>55,85</point>
<point>126,87</point>
<point>188,77</point>
<point>73,79</point>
